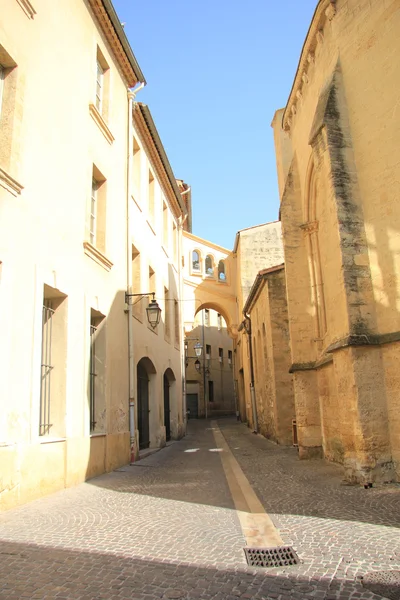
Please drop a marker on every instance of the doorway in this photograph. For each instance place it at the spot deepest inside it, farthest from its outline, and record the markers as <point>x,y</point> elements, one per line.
<point>167,409</point>
<point>192,405</point>
<point>143,406</point>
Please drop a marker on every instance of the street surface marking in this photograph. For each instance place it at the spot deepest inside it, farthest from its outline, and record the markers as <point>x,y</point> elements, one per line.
<point>257,527</point>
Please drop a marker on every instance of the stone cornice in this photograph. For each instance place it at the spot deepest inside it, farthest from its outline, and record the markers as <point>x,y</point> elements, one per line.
<point>10,184</point>
<point>27,8</point>
<point>157,161</point>
<point>97,256</point>
<point>109,23</point>
<point>100,122</point>
<point>324,12</point>
<point>372,339</point>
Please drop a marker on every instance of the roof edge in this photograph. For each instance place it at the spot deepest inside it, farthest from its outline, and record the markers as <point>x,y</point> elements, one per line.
<point>260,277</point>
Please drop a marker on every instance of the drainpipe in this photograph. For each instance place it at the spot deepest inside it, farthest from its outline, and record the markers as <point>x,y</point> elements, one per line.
<point>247,327</point>
<point>129,309</point>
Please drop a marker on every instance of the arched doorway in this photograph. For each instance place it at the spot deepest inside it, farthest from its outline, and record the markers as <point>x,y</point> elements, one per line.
<point>167,409</point>
<point>143,406</point>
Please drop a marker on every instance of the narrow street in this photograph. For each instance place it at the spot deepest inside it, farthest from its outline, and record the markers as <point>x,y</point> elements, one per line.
<point>169,527</point>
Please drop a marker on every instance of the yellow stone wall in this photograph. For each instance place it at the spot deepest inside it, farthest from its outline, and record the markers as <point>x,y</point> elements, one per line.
<point>340,223</point>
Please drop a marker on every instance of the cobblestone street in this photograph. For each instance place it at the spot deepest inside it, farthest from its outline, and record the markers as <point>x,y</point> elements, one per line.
<point>167,528</point>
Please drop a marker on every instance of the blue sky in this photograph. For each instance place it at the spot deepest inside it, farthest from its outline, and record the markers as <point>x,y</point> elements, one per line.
<point>216,71</point>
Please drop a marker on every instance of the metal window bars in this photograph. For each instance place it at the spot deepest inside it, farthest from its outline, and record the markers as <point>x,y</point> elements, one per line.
<point>92,377</point>
<point>46,369</point>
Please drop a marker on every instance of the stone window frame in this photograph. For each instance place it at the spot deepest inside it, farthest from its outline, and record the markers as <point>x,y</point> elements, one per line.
<point>225,280</point>
<point>196,272</point>
<point>212,274</point>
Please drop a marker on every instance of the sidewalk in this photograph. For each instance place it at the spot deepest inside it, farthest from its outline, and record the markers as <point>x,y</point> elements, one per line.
<point>167,528</point>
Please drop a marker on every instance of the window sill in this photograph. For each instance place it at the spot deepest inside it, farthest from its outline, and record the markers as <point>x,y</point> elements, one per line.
<point>27,8</point>
<point>10,184</point>
<point>100,122</point>
<point>97,256</point>
<point>196,274</point>
<point>51,440</point>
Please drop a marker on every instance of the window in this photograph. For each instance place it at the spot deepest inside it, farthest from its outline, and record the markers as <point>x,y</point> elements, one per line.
<point>137,304</point>
<point>221,354</point>
<point>195,261</point>
<point>230,357</point>
<point>97,219</point>
<point>136,164</point>
<point>176,318</point>
<point>97,361</point>
<point>167,322</point>
<point>221,271</point>
<point>10,117</point>
<point>207,317</point>
<point>219,321</point>
<point>174,242</point>
<point>99,86</point>
<point>165,226</point>
<point>53,360</point>
<point>151,197</point>
<point>102,84</point>
<point>209,266</point>
<point>211,391</point>
<point>208,351</point>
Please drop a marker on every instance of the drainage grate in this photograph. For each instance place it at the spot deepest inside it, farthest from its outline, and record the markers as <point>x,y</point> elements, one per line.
<point>282,556</point>
<point>383,583</point>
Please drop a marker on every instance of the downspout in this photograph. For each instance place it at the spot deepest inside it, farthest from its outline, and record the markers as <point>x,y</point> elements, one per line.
<point>129,309</point>
<point>247,326</point>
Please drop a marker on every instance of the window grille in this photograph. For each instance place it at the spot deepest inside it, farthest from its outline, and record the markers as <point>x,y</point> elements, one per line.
<point>99,86</point>
<point>46,368</point>
<point>92,377</point>
<point>93,211</point>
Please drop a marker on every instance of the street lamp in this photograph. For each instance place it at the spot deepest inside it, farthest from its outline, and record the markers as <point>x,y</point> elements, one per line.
<point>153,310</point>
<point>198,348</point>
<point>197,366</point>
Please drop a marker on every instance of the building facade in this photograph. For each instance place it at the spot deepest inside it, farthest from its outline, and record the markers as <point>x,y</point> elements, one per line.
<point>336,143</point>
<point>74,213</point>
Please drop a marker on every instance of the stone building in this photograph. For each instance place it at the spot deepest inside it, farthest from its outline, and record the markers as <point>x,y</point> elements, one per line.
<point>266,328</point>
<point>86,194</point>
<point>256,248</point>
<point>214,369</point>
<point>338,171</point>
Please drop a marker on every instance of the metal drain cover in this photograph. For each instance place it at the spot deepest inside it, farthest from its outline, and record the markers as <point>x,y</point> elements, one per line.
<point>281,556</point>
<point>383,583</point>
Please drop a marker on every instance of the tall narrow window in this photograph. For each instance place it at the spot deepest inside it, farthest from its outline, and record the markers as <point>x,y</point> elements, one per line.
<point>219,321</point>
<point>137,303</point>
<point>97,215</point>
<point>53,359</point>
<point>221,355</point>
<point>151,197</point>
<point>195,261</point>
<point>102,84</point>
<point>92,375</point>
<point>47,367</point>
<point>165,226</point>
<point>211,391</point>
<point>167,322</point>
<point>136,165</point>
<point>207,317</point>
<point>221,271</point>
<point>176,320</point>
<point>209,265</point>
<point>230,357</point>
<point>208,351</point>
<point>97,405</point>
<point>99,86</point>
<point>93,211</point>
<point>174,242</point>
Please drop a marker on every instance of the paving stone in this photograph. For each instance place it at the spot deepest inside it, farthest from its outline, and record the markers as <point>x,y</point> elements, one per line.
<point>166,528</point>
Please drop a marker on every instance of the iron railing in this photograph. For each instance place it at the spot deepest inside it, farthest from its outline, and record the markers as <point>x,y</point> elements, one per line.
<point>92,377</point>
<point>46,368</point>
